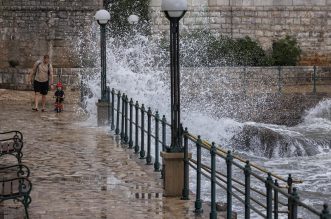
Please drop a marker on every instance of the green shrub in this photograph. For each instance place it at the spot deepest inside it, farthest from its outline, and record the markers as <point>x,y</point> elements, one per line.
<point>286,51</point>
<point>201,48</point>
<point>249,52</point>
<point>237,52</point>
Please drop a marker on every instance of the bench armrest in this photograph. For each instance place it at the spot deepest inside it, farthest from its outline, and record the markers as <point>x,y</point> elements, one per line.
<point>21,170</point>
<point>14,134</point>
<point>14,187</point>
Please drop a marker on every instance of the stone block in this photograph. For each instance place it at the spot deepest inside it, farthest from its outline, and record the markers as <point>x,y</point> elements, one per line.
<point>309,2</point>
<point>201,20</point>
<point>305,21</point>
<point>188,20</point>
<point>199,3</point>
<point>237,2</point>
<point>223,2</point>
<point>214,14</point>
<point>282,2</point>
<point>263,2</point>
<point>174,173</point>
<point>155,3</point>
<point>248,2</point>
<point>212,3</point>
<point>103,115</point>
<point>19,78</point>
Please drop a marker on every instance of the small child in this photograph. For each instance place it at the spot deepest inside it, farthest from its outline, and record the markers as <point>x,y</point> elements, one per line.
<point>59,97</point>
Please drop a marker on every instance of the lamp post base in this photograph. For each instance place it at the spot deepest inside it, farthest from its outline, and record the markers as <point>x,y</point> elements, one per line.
<point>103,112</point>
<point>173,173</point>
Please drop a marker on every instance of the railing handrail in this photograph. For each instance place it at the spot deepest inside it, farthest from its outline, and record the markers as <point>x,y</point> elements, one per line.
<point>123,104</point>
<point>207,146</point>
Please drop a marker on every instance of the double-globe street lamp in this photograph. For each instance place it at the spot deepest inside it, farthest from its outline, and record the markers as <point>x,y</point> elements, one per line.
<point>133,19</point>
<point>102,16</point>
<point>174,10</point>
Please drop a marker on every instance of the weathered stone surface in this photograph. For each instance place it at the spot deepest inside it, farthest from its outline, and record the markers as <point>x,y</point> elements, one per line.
<point>264,21</point>
<point>81,171</point>
<point>35,28</point>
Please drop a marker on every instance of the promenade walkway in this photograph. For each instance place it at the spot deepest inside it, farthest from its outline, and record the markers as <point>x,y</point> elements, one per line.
<point>81,171</point>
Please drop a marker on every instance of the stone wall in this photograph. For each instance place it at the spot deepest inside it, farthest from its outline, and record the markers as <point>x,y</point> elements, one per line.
<point>17,78</point>
<point>268,95</point>
<point>264,20</point>
<point>240,80</point>
<point>32,28</point>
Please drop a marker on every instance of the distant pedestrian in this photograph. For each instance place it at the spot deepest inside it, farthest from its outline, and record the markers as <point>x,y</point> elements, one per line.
<point>42,77</point>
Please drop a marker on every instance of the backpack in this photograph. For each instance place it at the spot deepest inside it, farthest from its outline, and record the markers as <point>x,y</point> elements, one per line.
<point>48,72</point>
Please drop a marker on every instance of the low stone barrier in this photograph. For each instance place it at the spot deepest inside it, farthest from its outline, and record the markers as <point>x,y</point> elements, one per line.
<point>16,78</point>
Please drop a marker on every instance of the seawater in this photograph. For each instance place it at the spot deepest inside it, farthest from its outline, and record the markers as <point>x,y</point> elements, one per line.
<point>132,70</point>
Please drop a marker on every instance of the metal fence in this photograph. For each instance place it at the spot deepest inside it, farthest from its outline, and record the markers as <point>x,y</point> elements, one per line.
<point>237,177</point>
<point>251,80</point>
<point>283,77</point>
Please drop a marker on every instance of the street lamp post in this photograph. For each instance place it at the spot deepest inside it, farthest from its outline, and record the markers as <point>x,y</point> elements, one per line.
<point>174,10</point>
<point>102,16</point>
<point>133,19</point>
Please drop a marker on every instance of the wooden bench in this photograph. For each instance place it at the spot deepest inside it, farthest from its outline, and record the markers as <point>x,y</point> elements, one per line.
<point>11,143</point>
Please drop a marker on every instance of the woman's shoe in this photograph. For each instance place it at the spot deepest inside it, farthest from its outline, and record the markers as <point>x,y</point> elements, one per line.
<point>43,110</point>
<point>35,109</point>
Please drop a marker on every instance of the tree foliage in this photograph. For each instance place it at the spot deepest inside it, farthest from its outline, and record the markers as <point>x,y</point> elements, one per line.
<point>286,51</point>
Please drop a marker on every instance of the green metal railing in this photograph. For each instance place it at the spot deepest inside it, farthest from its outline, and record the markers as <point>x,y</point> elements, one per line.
<point>266,203</point>
<point>134,124</point>
<point>239,178</point>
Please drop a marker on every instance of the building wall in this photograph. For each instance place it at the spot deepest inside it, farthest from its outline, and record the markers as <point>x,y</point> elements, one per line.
<point>32,28</point>
<point>264,20</point>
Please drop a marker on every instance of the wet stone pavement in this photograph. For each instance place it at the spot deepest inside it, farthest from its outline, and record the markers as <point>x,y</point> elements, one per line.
<point>81,171</point>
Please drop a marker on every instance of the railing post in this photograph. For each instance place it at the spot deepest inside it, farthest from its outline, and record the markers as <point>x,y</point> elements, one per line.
<point>126,118</point>
<point>109,107</point>
<point>279,79</point>
<point>157,153</point>
<point>295,199</point>
<point>136,147</point>
<point>198,202</point>
<point>325,212</point>
<point>185,193</point>
<point>289,200</point>
<point>268,184</point>
<point>213,214</point>
<point>164,133</point>
<point>229,159</point>
<point>123,117</point>
<point>247,172</point>
<point>82,91</point>
<point>244,82</point>
<point>276,200</point>
<point>117,130</point>
<point>314,80</point>
<point>131,123</point>
<point>112,127</point>
<point>164,140</point>
<point>149,133</point>
<point>142,129</point>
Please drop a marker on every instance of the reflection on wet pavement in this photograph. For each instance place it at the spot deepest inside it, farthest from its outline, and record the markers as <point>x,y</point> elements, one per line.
<point>81,171</point>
